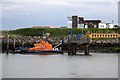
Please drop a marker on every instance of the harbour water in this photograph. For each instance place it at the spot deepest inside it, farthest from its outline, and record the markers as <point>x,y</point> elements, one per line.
<point>60,66</point>
<point>0,65</point>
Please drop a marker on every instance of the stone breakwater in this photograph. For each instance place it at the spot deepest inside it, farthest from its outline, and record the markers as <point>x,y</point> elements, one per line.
<point>33,39</point>
<point>99,45</point>
<point>106,41</point>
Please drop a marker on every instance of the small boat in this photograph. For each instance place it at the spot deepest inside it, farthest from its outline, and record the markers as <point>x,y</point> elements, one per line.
<point>42,48</point>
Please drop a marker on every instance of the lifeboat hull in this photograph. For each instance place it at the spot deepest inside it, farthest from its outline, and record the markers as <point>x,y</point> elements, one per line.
<point>40,52</point>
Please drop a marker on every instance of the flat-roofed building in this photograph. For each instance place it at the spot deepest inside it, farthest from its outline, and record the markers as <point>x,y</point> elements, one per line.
<point>75,22</point>
<point>92,23</point>
<point>63,27</point>
<point>69,22</point>
<point>109,25</point>
<point>79,22</point>
<point>102,25</point>
<point>42,27</point>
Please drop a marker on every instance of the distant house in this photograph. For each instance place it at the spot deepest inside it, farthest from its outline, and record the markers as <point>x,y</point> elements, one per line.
<point>44,27</point>
<point>79,22</point>
<point>41,27</point>
<point>116,26</point>
<point>75,22</point>
<point>102,25</point>
<point>110,25</point>
<point>92,23</point>
<point>63,27</point>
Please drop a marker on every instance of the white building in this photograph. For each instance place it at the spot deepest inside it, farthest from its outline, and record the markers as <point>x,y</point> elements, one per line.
<point>75,22</point>
<point>86,26</point>
<point>110,25</point>
<point>102,25</point>
<point>106,25</point>
<point>80,25</point>
<point>79,22</point>
<point>69,22</point>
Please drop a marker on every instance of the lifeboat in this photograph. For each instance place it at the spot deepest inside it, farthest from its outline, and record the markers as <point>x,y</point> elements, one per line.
<point>43,48</point>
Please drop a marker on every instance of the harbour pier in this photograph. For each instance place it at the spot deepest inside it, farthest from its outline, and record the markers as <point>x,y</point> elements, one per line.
<point>74,40</point>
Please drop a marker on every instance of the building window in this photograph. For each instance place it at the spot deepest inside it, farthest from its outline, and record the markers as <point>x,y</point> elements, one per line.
<point>98,35</point>
<point>95,35</point>
<point>111,35</point>
<point>103,35</point>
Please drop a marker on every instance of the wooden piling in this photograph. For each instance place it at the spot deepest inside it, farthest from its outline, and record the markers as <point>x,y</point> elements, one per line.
<point>62,43</point>
<point>7,43</point>
<point>73,48</point>
<point>69,49</point>
<point>86,49</point>
<point>14,45</point>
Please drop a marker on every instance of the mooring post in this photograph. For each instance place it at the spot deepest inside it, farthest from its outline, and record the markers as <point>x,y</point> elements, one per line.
<point>69,49</point>
<point>86,49</point>
<point>23,45</point>
<point>73,48</point>
<point>7,42</point>
<point>62,43</point>
<point>14,45</point>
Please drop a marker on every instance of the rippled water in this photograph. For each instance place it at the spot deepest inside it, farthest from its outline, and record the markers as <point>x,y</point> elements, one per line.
<point>0,65</point>
<point>60,66</point>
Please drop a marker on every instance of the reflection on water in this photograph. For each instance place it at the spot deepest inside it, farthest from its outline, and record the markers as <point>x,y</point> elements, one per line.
<point>60,66</point>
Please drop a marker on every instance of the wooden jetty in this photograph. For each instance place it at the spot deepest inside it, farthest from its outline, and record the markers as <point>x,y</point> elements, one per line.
<point>74,40</point>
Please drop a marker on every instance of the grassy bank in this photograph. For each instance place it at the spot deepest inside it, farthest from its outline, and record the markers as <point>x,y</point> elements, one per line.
<point>57,31</point>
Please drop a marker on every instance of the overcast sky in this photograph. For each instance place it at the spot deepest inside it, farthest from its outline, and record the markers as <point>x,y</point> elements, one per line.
<point>27,13</point>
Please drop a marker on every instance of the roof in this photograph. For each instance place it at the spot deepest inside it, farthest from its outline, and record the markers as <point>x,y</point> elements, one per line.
<point>92,20</point>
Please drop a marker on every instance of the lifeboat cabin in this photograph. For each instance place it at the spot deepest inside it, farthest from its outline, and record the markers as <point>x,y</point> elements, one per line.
<point>42,45</point>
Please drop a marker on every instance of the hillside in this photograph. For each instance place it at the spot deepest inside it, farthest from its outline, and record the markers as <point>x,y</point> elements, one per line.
<point>57,31</point>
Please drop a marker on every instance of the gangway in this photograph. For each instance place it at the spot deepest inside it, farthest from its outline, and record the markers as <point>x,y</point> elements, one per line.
<point>59,44</point>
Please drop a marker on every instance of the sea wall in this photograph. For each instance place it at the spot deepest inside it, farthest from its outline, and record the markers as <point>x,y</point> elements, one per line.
<point>103,45</point>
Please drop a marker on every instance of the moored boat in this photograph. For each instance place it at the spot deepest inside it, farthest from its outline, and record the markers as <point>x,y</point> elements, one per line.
<point>42,48</point>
